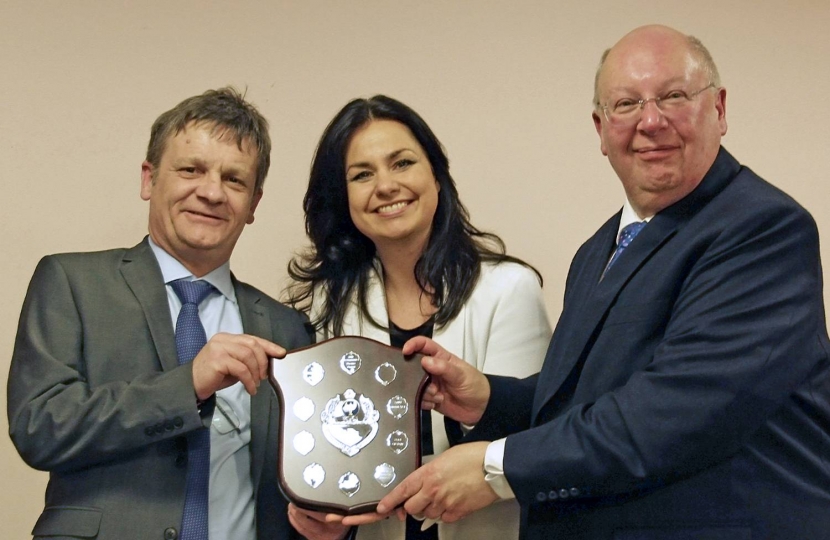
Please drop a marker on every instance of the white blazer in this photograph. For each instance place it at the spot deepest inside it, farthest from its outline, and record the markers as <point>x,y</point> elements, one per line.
<point>503,329</point>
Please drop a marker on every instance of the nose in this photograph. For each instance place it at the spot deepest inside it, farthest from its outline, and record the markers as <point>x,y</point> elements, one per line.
<point>211,188</point>
<point>387,183</point>
<point>651,117</point>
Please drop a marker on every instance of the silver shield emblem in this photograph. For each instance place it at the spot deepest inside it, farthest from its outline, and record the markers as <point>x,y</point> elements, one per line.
<point>313,373</point>
<point>350,422</point>
<point>350,362</point>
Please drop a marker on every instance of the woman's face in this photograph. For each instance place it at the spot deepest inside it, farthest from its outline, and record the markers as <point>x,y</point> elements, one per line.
<point>392,191</point>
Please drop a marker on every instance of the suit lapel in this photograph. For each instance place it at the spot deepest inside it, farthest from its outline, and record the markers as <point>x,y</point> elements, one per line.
<point>143,276</point>
<point>592,298</point>
<point>257,321</point>
<point>357,324</point>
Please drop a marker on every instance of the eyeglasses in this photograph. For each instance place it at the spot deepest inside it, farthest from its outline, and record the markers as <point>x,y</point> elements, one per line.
<point>628,110</point>
<point>227,420</point>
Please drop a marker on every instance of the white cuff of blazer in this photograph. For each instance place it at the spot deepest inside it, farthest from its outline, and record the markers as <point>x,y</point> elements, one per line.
<point>494,470</point>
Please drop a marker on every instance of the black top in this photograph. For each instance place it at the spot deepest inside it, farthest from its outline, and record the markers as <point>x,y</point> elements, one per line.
<point>397,337</point>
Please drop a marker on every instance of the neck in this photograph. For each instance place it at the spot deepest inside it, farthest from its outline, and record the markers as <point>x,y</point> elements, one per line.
<point>407,304</point>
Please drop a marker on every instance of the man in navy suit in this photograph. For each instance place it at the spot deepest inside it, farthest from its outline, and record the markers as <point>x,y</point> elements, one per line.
<point>686,390</point>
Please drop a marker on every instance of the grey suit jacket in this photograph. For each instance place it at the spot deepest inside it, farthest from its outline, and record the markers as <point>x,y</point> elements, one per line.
<point>97,398</point>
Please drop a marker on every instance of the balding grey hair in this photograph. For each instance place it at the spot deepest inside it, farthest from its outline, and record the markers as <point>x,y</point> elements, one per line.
<point>695,45</point>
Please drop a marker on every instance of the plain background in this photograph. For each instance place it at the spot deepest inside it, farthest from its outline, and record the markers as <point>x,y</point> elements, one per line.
<point>506,86</point>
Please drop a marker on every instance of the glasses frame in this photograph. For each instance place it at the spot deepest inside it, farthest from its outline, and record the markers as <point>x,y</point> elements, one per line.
<point>641,105</point>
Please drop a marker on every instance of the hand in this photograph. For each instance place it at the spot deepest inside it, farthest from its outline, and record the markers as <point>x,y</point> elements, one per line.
<point>457,390</point>
<point>228,358</point>
<point>448,488</point>
<point>314,526</point>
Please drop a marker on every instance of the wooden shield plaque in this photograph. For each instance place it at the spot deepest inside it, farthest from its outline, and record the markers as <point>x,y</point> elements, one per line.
<point>350,422</point>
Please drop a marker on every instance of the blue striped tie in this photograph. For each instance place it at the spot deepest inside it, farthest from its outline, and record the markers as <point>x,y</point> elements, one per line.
<point>190,338</point>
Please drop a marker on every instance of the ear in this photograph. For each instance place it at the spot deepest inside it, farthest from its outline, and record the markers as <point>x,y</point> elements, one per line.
<point>720,105</point>
<point>254,203</point>
<point>147,180</point>
<point>598,126</point>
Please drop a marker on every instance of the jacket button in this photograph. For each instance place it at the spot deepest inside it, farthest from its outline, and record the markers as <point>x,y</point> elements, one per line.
<point>170,533</point>
<point>178,422</point>
<point>574,492</point>
<point>168,425</point>
<point>150,431</point>
<point>159,428</point>
<point>541,497</point>
<point>553,495</point>
<point>563,493</point>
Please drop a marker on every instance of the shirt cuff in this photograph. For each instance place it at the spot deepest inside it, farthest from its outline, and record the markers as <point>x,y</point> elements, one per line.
<point>494,470</point>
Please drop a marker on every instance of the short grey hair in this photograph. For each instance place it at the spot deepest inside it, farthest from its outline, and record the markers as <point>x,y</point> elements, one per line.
<point>226,112</point>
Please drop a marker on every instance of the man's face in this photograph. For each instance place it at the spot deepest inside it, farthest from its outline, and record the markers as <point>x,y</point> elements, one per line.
<point>201,196</point>
<point>660,155</point>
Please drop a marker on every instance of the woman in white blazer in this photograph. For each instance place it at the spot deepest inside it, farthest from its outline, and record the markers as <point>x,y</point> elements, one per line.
<point>394,255</point>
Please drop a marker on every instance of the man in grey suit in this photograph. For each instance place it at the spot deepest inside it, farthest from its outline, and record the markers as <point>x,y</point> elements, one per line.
<point>98,395</point>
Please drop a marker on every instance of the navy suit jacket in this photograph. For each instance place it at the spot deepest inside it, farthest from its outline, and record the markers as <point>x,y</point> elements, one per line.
<point>97,398</point>
<point>687,393</point>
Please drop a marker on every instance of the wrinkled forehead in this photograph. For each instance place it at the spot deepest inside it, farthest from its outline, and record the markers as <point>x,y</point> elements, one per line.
<point>648,67</point>
<point>219,132</point>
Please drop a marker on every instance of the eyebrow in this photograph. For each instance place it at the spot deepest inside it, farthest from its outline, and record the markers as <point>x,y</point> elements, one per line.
<point>389,157</point>
<point>680,79</point>
<point>230,170</point>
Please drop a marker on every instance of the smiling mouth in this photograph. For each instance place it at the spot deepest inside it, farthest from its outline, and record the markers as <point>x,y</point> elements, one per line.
<point>203,215</point>
<point>390,208</point>
<point>655,149</point>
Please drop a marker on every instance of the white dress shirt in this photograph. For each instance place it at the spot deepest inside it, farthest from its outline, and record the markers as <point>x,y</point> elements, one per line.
<point>231,507</point>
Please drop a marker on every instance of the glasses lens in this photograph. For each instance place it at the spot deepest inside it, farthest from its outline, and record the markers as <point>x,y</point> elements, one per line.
<point>225,419</point>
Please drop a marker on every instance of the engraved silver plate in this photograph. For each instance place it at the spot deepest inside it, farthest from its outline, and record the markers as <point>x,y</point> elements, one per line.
<point>304,442</point>
<point>349,483</point>
<point>385,474</point>
<point>349,426</point>
<point>385,373</point>
<point>313,373</point>
<point>314,475</point>
<point>303,408</point>
<point>397,441</point>
<point>350,362</point>
<point>350,422</point>
<point>397,406</point>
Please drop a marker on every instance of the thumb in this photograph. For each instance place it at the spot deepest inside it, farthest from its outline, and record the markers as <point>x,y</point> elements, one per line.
<point>448,369</point>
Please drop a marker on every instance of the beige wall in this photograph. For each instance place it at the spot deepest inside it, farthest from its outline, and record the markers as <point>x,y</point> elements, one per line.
<point>506,85</point>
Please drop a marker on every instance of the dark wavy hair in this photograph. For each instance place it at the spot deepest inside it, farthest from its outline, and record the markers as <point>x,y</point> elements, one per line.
<point>341,258</point>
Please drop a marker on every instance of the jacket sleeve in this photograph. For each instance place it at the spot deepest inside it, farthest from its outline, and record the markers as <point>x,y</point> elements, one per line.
<point>58,418</point>
<point>744,333</point>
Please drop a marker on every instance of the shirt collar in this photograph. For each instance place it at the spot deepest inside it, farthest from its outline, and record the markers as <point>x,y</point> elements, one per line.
<point>629,216</point>
<point>172,269</point>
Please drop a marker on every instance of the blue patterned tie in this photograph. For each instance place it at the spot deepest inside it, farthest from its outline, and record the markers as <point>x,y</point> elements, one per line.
<point>190,338</point>
<point>626,236</point>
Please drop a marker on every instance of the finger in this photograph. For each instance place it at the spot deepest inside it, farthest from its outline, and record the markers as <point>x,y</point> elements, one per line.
<point>271,349</point>
<point>310,514</point>
<point>257,358</point>
<point>421,344</point>
<point>418,504</point>
<point>363,519</point>
<point>433,511</point>
<point>402,492</point>
<point>241,365</point>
